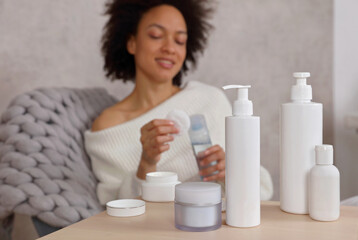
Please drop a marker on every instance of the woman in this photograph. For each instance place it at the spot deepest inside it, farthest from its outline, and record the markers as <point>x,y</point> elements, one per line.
<point>152,42</point>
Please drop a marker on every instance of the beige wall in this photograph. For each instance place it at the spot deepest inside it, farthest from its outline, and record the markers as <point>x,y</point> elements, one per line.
<point>56,43</point>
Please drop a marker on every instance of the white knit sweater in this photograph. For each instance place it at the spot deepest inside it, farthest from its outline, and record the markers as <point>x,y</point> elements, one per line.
<point>115,152</point>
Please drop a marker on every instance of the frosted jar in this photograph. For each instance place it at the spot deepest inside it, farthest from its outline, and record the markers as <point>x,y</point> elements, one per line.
<point>159,186</point>
<point>198,206</point>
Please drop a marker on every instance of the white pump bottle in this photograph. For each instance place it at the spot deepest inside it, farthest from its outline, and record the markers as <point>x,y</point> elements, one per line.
<point>242,144</point>
<point>301,130</point>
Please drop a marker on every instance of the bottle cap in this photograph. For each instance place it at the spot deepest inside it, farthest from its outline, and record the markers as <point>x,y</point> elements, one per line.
<point>301,91</point>
<point>324,154</point>
<point>242,106</point>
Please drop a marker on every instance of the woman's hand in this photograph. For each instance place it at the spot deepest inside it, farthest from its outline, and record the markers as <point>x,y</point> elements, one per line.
<point>155,136</point>
<point>213,153</point>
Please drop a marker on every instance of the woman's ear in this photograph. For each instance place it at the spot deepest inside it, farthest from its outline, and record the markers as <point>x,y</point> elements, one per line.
<point>131,45</point>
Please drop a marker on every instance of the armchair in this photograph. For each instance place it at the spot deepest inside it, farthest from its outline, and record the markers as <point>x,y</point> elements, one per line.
<point>44,169</point>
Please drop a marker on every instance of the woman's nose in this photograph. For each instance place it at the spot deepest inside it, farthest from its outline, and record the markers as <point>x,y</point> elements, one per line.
<point>168,46</point>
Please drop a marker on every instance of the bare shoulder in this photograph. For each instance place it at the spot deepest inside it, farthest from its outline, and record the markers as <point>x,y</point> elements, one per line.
<point>108,118</point>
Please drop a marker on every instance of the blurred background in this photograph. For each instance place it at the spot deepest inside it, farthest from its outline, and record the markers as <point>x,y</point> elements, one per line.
<point>57,43</point>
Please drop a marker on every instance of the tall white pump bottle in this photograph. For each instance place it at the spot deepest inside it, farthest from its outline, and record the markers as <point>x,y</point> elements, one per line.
<point>242,145</point>
<point>301,130</point>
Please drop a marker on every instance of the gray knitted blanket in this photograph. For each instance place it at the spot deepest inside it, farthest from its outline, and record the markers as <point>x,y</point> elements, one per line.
<point>44,170</point>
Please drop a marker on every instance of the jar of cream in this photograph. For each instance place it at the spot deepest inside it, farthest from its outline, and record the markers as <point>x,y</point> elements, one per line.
<point>198,206</point>
<point>159,186</point>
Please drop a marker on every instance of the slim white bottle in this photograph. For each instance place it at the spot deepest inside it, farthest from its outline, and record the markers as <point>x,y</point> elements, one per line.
<point>242,141</point>
<point>301,130</point>
<point>324,193</point>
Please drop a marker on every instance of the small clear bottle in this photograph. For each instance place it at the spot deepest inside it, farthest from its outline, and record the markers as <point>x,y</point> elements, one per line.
<point>324,193</point>
<point>200,140</point>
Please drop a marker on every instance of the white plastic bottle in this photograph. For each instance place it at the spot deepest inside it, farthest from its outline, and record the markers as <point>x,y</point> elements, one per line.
<point>301,130</point>
<point>324,194</point>
<point>242,145</point>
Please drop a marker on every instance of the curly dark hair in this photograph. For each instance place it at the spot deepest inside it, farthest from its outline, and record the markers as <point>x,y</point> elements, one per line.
<point>124,16</point>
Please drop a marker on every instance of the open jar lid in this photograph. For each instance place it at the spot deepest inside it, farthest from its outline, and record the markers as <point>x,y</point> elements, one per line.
<point>125,207</point>
<point>198,193</point>
<point>161,177</point>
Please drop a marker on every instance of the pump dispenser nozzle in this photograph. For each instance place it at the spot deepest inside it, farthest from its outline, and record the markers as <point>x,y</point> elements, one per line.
<point>301,91</point>
<point>242,106</point>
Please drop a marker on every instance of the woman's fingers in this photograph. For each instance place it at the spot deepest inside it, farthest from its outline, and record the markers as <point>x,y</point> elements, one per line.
<point>157,150</point>
<point>156,123</point>
<point>159,140</point>
<point>212,169</point>
<point>162,130</point>
<point>152,155</point>
<point>212,154</point>
<point>156,128</point>
<point>163,148</point>
<point>218,176</point>
<point>212,149</point>
<point>211,158</point>
<point>155,136</point>
<point>152,150</point>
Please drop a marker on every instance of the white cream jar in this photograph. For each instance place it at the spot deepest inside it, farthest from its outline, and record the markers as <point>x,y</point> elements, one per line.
<point>159,186</point>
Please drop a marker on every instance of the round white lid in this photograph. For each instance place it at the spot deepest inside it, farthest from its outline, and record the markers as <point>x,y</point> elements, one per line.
<point>125,207</point>
<point>161,177</point>
<point>198,193</point>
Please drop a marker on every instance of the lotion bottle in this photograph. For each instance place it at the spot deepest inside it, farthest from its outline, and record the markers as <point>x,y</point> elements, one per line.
<point>324,194</point>
<point>242,178</point>
<point>301,130</point>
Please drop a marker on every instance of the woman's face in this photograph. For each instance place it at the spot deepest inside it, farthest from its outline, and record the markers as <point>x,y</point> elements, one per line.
<point>159,47</point>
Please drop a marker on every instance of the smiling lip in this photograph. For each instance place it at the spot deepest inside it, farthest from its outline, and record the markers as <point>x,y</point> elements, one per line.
<point>165,63</point>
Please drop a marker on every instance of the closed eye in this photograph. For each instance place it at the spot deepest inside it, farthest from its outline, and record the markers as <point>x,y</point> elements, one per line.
<point>180,42</point>
<point>155,36</point>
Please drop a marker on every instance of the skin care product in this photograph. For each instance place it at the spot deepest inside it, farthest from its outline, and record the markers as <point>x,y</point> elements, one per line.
<point>242,141</point>
<point>301,130</point>
<point>200,140</point>
<point>159,186</point>
<point>198,206</point>
<point>324,195</point>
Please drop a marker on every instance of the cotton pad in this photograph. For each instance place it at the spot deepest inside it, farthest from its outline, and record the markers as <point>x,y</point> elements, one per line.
<point>181,120</point>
